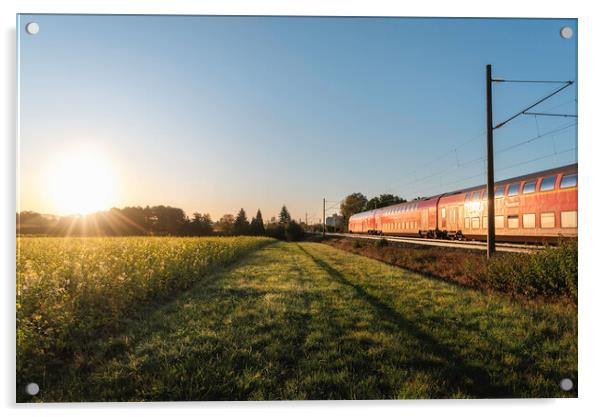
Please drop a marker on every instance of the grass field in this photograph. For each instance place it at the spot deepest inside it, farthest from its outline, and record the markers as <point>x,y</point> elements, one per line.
<point>308,321</point>
<point>72,292</point>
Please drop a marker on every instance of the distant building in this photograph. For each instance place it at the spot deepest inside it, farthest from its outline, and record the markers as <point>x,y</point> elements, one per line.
<point>334,221</point>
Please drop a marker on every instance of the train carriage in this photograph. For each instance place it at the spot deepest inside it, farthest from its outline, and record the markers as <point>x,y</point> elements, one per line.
<point>536,207</point>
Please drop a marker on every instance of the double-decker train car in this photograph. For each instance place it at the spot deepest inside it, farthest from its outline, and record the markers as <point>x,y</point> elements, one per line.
<point>531,208</point>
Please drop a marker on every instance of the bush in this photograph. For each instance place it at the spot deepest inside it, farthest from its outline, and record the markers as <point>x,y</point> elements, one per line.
<point>291,231</point>
<point>275,230</point>
<point>294,232</point>
<point>551,272</point>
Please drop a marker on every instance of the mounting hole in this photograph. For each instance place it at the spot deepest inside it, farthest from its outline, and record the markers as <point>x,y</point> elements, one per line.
<point>32,28</point>
<point>566,32</point>
<point>32,388</point>
<point>566,384</point>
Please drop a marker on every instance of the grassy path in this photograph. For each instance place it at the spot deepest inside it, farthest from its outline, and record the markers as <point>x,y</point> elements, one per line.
<point>307,321</point>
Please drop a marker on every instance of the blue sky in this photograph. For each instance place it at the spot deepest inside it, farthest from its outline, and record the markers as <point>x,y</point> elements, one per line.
<point>216,113</point>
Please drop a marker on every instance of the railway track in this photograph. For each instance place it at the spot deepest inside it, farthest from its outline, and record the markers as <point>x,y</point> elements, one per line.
<point>474,245</point>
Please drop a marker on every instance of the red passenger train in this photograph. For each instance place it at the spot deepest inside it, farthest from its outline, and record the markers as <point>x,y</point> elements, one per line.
<point>531,208</point>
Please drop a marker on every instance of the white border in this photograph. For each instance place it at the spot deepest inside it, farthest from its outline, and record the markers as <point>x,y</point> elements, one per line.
<point>589,139</point>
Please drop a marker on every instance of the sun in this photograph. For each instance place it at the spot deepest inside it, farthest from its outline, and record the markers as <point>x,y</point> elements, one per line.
<point>81,182</point>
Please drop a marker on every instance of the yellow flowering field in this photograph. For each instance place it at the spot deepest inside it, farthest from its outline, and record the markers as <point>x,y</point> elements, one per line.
<point>72,291</point>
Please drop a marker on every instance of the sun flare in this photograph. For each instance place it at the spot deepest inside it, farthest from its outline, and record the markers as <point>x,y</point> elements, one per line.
<point>81,182</point>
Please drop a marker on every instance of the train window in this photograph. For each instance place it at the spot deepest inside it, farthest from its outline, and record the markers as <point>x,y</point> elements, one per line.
<point>548,220</point>
<point>548,183</point>
<point>485,224</point>
<point>499,222</point>
<point>513,189</point>
<point>499,192</point>
<point>512,222</point>
<point>485,195</point>
<point>568,219</point>
<point>476,195</point>
<point>476,223</point>
<point>467,197</point>
<point>568,181</point>
<point>443,212</point>
<point>529,187</point>
<point>529,221</point>
<point>467,222</point>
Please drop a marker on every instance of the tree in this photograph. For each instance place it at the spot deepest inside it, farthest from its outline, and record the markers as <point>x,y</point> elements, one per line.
<point>383,200</point>
<point>32,222</point>
<point>200,225</point>
<point>241,224</point>
<point>284,217</point>
<point>257,228</point>
<point>353,203</point>
<point>225,225</point>
<point>167,220</point>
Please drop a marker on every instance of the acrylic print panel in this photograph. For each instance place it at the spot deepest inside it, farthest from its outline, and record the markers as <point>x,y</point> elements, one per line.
<point>295,208</point>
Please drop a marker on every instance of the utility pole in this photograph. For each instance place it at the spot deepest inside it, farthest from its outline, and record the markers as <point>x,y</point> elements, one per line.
<point>490,178</point>
<point>491,128</point>
<point>324,217</point>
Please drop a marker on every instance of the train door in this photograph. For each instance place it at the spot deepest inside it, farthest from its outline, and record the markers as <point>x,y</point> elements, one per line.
<point>424,220</point>
<point>432,218</point>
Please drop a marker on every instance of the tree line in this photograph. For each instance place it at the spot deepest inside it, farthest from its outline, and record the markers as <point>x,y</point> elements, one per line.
<point>158,221</point>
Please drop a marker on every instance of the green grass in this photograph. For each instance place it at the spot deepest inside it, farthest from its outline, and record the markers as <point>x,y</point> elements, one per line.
<point>308,321</point>
<point>72,292</point>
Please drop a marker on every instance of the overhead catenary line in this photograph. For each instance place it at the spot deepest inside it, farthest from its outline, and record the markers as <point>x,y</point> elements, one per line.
<point>535,138</point>
<point>454,150</point>
<point>538,158</point>
<point>415,183</point>
<point>432,161</point>
<point>549,114</point>
<point>555,130</point>
<point>483,172</point>
<point>558,90</point>
<point>530,81</point>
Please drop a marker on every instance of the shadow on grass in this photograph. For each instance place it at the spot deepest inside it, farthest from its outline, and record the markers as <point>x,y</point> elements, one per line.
<point>432,275</point>
<point>253,356</point>
<point>470,379</point>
